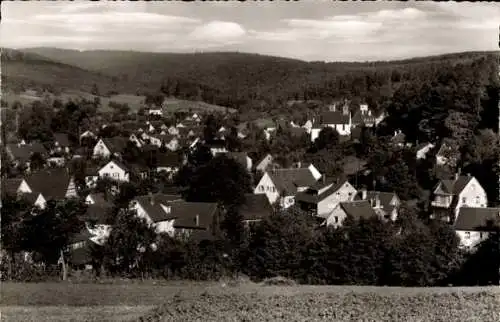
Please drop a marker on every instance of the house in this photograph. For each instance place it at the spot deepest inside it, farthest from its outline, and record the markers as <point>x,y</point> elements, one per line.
<point>155,111</point>
<point>115,170</point>
<point>176,217</point>
<point>242,158</point>
<point>107,147</point>
<point>135,138</point>
<point>98,199</point>
<point>321,198</point>
<point>169,162</point>
<point>265,163</point>
<point>386,204</point>
<point>20,153</point>
<point>217,146</point>
<point>451,195</point>
<point>423,149</point>
<point>364,116</point>
<point>87,134</point>
<point>41,186</point>
<point>356,209</point>
<point>61,142</point>
<point>255,208</point>
<point>473,225</point>
<point>172,130</point>
<point>283,184</point>
<point>339,120</point>
<point>18,188</point>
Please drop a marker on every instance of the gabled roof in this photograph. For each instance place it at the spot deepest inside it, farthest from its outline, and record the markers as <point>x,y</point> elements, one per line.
<point>358,209</point>
<point>288,180</point>
<point>384,197</point>
<point>169,159</point>
<point>62,139</point>
<point>186,212</point>
<point>22,152</point>
<point>311,195</point>
<point>336,117</point>
<point>52,183</point>
<point>297,131</point>
<point>10,186</point>
<point>453,187</point>
<point>118,164</point>
<point>99,199</point>
<point>152,205</point>
<point>477,219</point>
<point>255,207</point>
<point>115,144</point>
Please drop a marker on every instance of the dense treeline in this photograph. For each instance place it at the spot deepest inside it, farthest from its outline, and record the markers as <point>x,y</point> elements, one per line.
<point>409,252</point>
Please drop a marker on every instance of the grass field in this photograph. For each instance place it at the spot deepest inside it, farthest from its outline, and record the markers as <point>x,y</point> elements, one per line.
<point>134,101</point>
<point>188,301</point>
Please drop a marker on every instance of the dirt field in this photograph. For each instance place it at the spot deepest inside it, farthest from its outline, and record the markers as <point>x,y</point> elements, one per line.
<point>186,301</point>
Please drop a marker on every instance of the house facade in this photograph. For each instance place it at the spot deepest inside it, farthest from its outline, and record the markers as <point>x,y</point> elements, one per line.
<point>115,171</point>
<point>355,209</point>
<point>322,198</point>
<point>451,195</point>
<point>473,225</point>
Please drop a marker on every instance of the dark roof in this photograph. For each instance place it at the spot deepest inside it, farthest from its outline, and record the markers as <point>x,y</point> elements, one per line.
<point>115,144</point>
<point>358,209</point>
<point>51,183</point>
<point>100,199</point>
<point>256,207</point>
<point>311,195</point>
<point>10,186</point>
<point>152,205</point>
<point>290,179</point>
<point>186,212</point>
<point>22,152</point>
<point>169,159</point>
<point>92,171</point>
<point>336,117</point>
<point>82,235</point>
<point>97,213</point>
<point>473,219</point>
<point>356,133</point>
<point>454,187</point>
<point>62,139</point>
<point>384,197</point>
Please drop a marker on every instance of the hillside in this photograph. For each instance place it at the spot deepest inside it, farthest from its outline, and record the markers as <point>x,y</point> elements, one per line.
<point>22,70</point>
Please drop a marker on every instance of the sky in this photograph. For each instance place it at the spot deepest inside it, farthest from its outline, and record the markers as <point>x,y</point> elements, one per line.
<point>308,29</point>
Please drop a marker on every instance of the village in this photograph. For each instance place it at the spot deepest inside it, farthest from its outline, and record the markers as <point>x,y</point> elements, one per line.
<point>43,173</point>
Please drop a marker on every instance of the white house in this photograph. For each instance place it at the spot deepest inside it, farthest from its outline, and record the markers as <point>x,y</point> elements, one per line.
<point>323,197</point>
<point>451,195</point>
<point>423,149</point>
<point>283,184</point>
<point>138,142</point>
<point>339,120</point>
<point>155,111</point>
<point>264,163</point>
<point>107,147</point>
<point>116,171</point>
<point>355,209</point>
<point>473,225</point>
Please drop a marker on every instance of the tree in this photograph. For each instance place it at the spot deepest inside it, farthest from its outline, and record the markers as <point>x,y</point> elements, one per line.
<point>221,180</point>
<point>328,138</point>
<point>210,129</point>
<point>37,161</point>
<point>48,232</point>
<point>131,240</point>
<point>14,213</point>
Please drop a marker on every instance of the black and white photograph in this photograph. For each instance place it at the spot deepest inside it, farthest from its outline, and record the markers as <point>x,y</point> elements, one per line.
<point>306,160</point>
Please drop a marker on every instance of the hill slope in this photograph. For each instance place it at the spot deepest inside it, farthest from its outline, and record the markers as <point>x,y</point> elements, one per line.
<point>29,70</point>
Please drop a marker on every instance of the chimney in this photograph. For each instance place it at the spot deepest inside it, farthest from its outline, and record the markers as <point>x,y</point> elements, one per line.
<point>151,198</point>
<point>468,175</point>
<point>457,174</point>
<point>299,164</point>
<point>377,201</point>
<point>324,179</point>
<point>197,220</point>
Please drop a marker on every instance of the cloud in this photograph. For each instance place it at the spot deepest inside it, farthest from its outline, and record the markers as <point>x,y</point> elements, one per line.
<point>218,33</point>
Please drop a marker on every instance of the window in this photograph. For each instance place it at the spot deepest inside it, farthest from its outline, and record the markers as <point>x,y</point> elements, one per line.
<point>273,189</point>
<point>478,200</point>
<point>336,219</point>
<point>464,199</point>
<point>467,235</point>
<point>261,188</point>
<point>481,235</point>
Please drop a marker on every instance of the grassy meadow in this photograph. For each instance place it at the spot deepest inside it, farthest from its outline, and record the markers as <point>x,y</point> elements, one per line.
<point>190,301</point>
